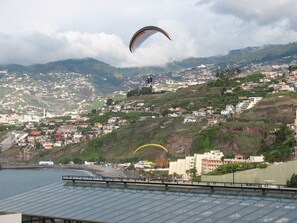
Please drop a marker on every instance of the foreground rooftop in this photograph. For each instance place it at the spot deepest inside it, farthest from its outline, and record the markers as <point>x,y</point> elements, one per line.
<point>124,202</point>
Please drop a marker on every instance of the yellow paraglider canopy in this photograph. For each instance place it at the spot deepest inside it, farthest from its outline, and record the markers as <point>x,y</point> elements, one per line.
<point>147,145</point>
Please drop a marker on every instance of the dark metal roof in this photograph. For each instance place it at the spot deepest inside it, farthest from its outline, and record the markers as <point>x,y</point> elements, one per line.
<point>97,203</point>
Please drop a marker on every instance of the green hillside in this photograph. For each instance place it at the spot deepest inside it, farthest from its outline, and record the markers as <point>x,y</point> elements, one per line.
<point>211,94</point>
<point>260,130</point>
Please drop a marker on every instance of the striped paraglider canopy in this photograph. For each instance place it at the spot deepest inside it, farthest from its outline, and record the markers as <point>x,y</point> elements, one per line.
<point>141,35</point>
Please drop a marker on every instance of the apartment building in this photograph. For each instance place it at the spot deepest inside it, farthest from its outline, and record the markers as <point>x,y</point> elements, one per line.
<point>205,163</point>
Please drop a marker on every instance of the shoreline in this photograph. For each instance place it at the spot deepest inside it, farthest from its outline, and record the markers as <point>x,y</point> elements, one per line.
<point>98,170</point>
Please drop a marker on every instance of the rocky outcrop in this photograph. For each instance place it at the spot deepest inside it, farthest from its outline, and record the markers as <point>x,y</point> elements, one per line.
<point>179,145</point>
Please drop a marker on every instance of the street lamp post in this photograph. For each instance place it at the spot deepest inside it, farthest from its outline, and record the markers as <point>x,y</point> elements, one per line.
<point>233,175</point>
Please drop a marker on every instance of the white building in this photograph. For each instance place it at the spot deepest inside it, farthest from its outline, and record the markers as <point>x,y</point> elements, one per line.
<point>190,119</point>
<point>46,163</point>
<point>87,163</point>
<point>30,118</point>
<point>181,166</point>
<point>212,156</point>
<point>199,113</point>
<point>230,109</point>
<point>256,159</point>
<point>253,101</point>
<point>247,104</point>
<point>286,88</point>
<point>205,163</point>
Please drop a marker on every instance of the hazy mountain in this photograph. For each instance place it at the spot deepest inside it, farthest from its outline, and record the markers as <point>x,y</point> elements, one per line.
<point>279,53</point>
<point>108,78</point>
<point>105,77</point>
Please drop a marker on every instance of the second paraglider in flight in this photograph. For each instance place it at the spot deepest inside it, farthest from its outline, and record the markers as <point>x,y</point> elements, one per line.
<point>151,145</point>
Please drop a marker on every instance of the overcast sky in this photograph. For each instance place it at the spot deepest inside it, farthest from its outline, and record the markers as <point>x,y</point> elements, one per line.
<point>40,31</point>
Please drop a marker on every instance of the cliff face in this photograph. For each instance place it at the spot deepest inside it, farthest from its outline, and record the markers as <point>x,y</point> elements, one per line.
<point>179,145</point>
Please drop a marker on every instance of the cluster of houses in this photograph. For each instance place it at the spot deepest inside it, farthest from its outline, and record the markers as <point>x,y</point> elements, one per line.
<point>55,133</point>
<point>22,95</point>
<point>245,102</point>
<point>49,132</point>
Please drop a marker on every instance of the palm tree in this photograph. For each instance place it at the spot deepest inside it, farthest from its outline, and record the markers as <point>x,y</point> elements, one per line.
<point>293,181</point>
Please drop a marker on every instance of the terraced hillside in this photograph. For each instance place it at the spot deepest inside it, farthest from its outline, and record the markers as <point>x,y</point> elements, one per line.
<point>252,132</point>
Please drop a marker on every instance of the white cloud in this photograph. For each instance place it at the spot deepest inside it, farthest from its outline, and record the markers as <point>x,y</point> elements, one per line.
<point>35,31</point>
<point>40,47</point>
<point>264,12</point>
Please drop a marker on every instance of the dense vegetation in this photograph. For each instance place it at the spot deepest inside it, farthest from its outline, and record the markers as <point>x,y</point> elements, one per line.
<point>2,128</point>
<point>282,148</point>
<point>142,91</point>
<point>234,167</point>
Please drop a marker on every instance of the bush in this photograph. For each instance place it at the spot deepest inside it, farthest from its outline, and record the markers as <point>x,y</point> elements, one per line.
<point>65,161</point>
<point>293,181</point>
<point>142,91</point>
<point>2,128</point>
<point>77,161</point>
<point>282,148</point>
<point>234,167</point>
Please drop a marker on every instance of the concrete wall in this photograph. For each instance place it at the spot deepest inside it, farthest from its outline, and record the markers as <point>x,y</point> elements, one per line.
<point>10,218</point>
<point>277,173</point>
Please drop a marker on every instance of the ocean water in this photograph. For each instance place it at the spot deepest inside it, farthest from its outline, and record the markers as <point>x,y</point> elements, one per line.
<point>17,181</point>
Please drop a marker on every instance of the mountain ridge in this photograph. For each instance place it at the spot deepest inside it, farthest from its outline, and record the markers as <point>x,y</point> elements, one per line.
<point>108,78</point>
<point>265,51</point>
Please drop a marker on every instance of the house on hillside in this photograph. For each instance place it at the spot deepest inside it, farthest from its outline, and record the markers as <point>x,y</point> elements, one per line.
<point>30,126</point>
<point>58,144</point>
<point>83,125</point>
<point>77,136</point>
<point>98,125</point>
<point>112,120</point>
<point>256,159</point>
<point>66,129</point>
<point>35,133</point>
<point>47,145</point>
<point>200,113</point>
<point>116,108</point>
<point>173,115</point>
<point>230,109</point>
<point>123,122</point>
<point>190,119</point>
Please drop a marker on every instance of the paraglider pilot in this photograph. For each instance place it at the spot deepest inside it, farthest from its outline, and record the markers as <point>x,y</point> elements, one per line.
<point>149,79</point>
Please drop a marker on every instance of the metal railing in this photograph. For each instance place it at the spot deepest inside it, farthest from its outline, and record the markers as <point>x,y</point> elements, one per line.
<point>166,183</point>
